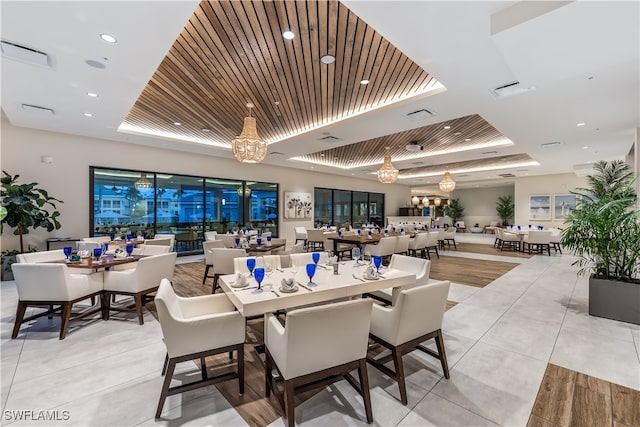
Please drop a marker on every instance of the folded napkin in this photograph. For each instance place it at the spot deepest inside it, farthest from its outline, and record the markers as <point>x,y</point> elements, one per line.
<point>288,283</point>
<point>370,272</point>
<point>84,254</point>
<point>241,280</point>
<point>333,260</point>
<point>120,254</point>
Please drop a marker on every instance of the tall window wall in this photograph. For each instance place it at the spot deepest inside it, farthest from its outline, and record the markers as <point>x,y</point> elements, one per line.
<point>343,207</point>
<point>155,203</point>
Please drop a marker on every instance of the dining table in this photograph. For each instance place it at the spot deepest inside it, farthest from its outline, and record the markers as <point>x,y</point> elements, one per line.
<point>362,239</point>
<point>105,261</point>
<point>262,248</point>
<point>349,282</point>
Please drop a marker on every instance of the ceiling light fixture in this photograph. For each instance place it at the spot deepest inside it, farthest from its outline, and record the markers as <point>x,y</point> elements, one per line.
<point>205,130</point>
<point>414,146</point>
<point>425,201</point>
<point>447,127</point>
<point>387,174</point>
<point>177,124</point>
<point>288,35</point>
<point>108,38</point>
<point>91,94</point>
<point>328,59</point>
<point>437,201</point>
<point>415,200</point>
<point>143,182</point>
<point>87,114</point>
<point>447,184</point>
<point>580,124</point>
<point>248,147</point>
<point>364,82</point>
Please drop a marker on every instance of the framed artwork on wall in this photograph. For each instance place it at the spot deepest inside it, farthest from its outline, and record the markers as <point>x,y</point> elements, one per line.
<point>297,205</point>
<point>540,208</point>
<point>563,204</point>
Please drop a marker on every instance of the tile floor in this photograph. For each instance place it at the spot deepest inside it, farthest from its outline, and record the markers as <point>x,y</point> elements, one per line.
<point>499,340</point>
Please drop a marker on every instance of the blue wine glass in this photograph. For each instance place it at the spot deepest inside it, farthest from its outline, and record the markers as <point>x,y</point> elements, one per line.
<point>251,264</point>
<point>112,236</point>
<point>259,276</point>
<point>97,252</point>
<point>268,238</point>
<point>67,251</point>
<point>377,261</point>
<point>311,270</point>
<point>237,242</point>
<point>315,257</point>
<point>259,241</point>
<point>129,250</point>
<point>129,235</point>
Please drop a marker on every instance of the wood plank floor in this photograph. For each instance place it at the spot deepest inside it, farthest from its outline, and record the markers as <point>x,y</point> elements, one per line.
<point>570,398</point>
<point>479,248</point>
<point>468,271</point>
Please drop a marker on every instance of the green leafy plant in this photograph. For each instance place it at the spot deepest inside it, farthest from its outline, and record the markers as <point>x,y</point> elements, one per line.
<point>505,209</point>
<point>455,210</point>
<point>603,231</point>
<point>28,207</point>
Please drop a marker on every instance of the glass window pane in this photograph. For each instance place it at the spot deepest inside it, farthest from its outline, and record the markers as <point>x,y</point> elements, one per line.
<point>262,204</point>
<point>342,201</point>
<point>224,207</point>
<point>376,209</point>
<point>360,208</point>
<point>323,207</point>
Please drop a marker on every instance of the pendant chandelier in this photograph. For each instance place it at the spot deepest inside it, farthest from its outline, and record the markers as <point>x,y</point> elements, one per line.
<point>447,184</point>
<point>248,147</point>
<point>387,174</point>
<point>437,201</point>
<point>425,201</point>
<point>415,200</point>
<point>143,182</point>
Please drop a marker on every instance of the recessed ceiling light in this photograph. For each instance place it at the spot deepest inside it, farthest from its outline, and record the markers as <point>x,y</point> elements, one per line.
<point>206,130</point>
<point>580,124</point>
<point>276,103</point>
<point>108,38</point>
<point>467,139</point>
<point>328,59</point>
<point>447,127</point>
<point>585,147</point>
<point>364,82</point>
<point>177,123</point>
<point>458,133</point>
<point>91,94</point>
<point>288,35</point>
<point>87,114</point>
<point>313,167</point>
<point>321,154</point>
<point>352,174</point>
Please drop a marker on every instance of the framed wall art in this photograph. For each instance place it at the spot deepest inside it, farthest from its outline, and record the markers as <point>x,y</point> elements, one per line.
<point>297,205</point>
<point>540,208</point>
<point>563,204</point>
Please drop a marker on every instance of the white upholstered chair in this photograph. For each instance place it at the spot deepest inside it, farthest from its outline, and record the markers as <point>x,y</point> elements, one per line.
<point>556,239</point>
<point>193,328</point>
<point>44,256</point>
<point>385,247</point>
<point>42,284</point>
<point>301,235</point>
<point>449,237</point>
<point>229,240</point>
<point>222,259</point>
<point>402,245</point>
<point>432,243</point>
<point>161,241</point>
<point>210,235</point>
<point>138,282</point>
<point>302,259</point>
<point>316,343</point>
<point>511,240</point>
<point>418,266</point>
<point>414,318</point>
<point>207,247</point>
<point>417,244</point>
<point>315,240</point>
<point>272,261</point>
<point>537,241</point>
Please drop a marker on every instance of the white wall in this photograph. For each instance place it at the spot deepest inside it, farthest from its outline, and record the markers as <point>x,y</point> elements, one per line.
<point>67,177</point>
<point>543,185</point>
<point>480,203</point>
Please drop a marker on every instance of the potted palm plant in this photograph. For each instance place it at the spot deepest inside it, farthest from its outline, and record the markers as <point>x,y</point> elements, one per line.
<point>604,234</point>
<point>505,209</point>
<point>26,207</point>
<point>455,211</point>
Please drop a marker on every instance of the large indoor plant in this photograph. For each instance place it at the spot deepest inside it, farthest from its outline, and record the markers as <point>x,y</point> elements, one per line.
<point>27,207</point>
<point>455,211</point>
<point>505,209</point>
<point>604,234</point>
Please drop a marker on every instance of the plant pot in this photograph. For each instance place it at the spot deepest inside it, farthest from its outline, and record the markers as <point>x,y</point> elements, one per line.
<point>6,273</point>
<point>615,300</point>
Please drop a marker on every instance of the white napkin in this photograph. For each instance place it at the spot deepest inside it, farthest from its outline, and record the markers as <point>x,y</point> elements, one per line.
<point>240,280</point>
<point>83,254</point>
<point>287,283</point>
<point>370,272</point>
<point>140,239</point>
<point>120,254</point>
<point>333,260</point>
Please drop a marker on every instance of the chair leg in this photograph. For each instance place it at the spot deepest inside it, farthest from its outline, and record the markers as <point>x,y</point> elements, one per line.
<point>289,403</point>
<point>241,368</point>
<point>203,368</point>
<point>364,385</point>
<point>66,315</point>
<point>165,386</point>
<point>399,368</point>
<point>206,272</point>
<point>215,284</point>
<point>138,300</point>
<point>22,308</point>
<point>106,305</point>
<point>442,353</point>
<point>268,370</point>
<point>164,366</point>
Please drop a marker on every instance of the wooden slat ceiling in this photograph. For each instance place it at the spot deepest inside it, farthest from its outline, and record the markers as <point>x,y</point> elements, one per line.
<point>233,52</point>
<point>462,167</point>
<point>464,133</point>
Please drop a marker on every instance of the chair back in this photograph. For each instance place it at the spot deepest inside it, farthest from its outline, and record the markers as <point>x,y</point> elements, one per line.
<point>419,241</point>
<point>420,310</point>
<point>449,232</point>
<point>302,259</point>
<point>45,256</point>
<point>223,259</point>
<point>298,248</point>
<point>160,241</point>
<point>315,235</point>
<point>207,247</point>
<point>229,240</point>
<point>301,233</point>
<point>273,261</point>
<point>240,264</point>
<point>210,235</point>
<point>97,239</point>
<point>419,266</point>
<point>151,270</point>
<point>151,250</point>
<point>386,246</point>
<point>171,237</point>
<point>324,336</point>
<point>402,244</point>
<point>41,282</point>
<point>432,239</point>
<point>87,246</point>
<point>539,237</point>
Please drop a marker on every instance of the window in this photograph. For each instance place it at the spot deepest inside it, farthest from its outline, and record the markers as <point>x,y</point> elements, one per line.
<point>343,207</point>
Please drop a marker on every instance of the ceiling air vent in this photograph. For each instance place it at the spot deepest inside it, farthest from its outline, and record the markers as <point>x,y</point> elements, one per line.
<point>40,111</point>
<point>489,153</point>
<point>25,54</point>
<point>511,89</point>
<point>414,146</point>
<point>420,114</point>
<point>276,153</point>
<point>550,144</point>
<point>507,175</point>
<point>329,138</point>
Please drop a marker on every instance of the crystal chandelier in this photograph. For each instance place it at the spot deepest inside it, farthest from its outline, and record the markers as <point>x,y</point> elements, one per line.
<point>425,201</point>
<point>248,147</point>
<point>437,201</point>
<point>447,184</point>
<point>143,182</point>
<point>387,174</point>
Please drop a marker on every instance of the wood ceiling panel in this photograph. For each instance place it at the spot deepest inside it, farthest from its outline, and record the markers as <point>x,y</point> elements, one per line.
<point>233,52</point>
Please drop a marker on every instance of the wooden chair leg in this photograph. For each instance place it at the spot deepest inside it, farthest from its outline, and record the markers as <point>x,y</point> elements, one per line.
<point>165,386</point>
<point>106,305</point>
<point>22,308</point>
<point>206,273</point>
<point>268,373</point>
<point>289,403</point>
<point>241,368</point>
<point>364,385</point>
<point>203,368</point>
<point>215,284</point>
<point>164,366</point>
<point>442,353</point>
<point>66,315</point>
<point>138,300</point>
<point>399,368</point>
